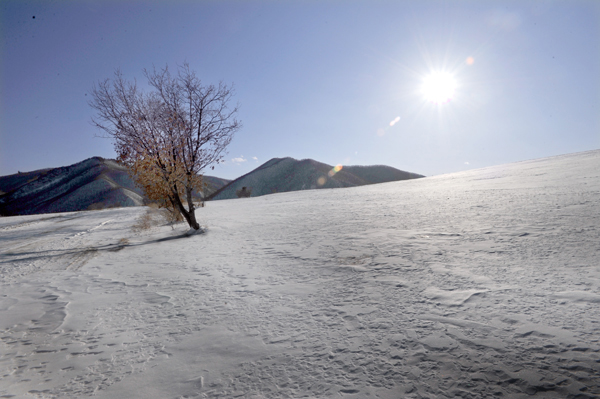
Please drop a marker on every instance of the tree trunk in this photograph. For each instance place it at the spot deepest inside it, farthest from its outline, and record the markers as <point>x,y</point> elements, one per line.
<point>189,216</point>
<point>192,214</point>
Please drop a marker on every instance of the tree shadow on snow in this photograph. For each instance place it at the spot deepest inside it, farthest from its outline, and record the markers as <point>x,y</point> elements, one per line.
<point>70,253</point>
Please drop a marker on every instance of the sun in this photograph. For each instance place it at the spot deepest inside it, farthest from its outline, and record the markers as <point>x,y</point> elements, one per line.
<point>438,87</point>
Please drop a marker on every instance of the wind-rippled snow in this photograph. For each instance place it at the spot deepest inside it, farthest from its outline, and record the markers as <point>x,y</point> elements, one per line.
<point>471,285</point>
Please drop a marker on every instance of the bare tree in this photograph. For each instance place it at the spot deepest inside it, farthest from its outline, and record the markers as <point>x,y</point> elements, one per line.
<point>168,136</point>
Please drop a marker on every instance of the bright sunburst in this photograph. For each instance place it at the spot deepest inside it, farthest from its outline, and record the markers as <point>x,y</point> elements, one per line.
<point>438,87</point>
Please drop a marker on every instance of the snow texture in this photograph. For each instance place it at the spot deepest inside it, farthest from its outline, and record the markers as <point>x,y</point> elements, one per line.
<point>477,284</point>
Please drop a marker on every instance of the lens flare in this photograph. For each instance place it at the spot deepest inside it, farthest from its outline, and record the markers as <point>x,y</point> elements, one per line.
<point>470,60</point>
<point>321,180</point>
<point>392,123</point>
<point>335,170</point>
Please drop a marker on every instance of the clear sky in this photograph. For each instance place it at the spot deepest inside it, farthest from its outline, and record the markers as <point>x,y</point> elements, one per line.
<point>340,82</point>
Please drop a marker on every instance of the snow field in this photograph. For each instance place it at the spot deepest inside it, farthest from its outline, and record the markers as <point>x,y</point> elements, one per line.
<point>477,284</point>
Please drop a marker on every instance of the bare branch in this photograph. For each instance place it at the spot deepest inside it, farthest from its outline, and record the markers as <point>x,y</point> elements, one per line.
<point>167,136</point>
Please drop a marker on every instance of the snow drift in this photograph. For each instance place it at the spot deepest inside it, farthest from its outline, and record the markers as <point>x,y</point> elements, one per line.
<point>477,284</point>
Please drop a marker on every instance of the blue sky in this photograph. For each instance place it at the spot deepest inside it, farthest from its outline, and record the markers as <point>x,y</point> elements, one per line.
<point>315,79</point>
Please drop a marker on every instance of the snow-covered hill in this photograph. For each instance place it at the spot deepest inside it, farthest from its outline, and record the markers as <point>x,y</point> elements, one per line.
<point>95,183</point>
<point>280,175</point>
<point>478,284</point>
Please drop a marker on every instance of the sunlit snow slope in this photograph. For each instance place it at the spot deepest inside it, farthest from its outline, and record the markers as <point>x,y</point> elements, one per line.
<point>478,284</point>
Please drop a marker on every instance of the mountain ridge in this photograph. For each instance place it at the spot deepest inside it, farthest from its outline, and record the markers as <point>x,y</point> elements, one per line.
<point>289,174</point>
<point>94,183</point>
<point>99,183</point>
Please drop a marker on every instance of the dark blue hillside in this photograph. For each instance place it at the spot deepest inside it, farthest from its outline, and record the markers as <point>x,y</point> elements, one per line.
<point>12,182</point>
<point>95,183</point>
<point>73,188</point>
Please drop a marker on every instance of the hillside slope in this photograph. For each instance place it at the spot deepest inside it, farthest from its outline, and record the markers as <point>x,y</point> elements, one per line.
<point>12,182</point>
<point>288,174</point>
<point>380,173</point>
<point>478,284</point>
<point>95,183</point>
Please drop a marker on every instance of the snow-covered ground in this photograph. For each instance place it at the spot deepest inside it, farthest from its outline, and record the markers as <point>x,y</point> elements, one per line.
<point>478,284</point>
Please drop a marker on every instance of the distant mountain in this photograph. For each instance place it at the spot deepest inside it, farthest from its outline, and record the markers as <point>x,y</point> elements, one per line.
<point>380,173</point>
<point>288,174</point>
<point>213,184</point>
<point>95,183</point>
